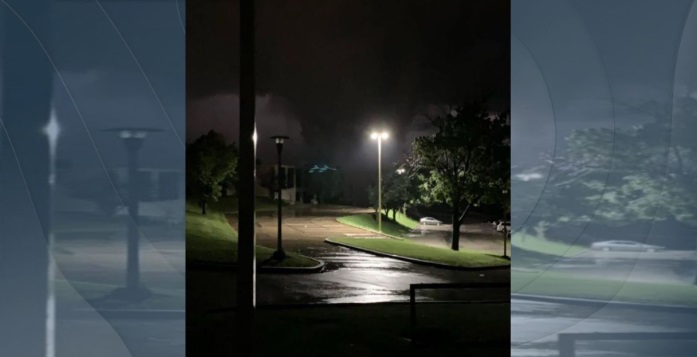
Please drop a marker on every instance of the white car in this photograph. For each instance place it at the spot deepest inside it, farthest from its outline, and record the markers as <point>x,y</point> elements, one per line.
<point>503,224</point>
<point>625,246</point>
<point>430,220</point>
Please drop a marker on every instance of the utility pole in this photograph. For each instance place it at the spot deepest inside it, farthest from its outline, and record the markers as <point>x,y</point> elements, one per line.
<point>246,273</point>
<point>27,323</point>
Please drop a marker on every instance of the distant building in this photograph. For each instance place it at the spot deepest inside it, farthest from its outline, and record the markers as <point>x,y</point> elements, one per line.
<point>268,187</point>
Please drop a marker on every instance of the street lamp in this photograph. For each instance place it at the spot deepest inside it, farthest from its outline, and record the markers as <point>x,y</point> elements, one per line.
<point>279,254</point>
<point>505,234</point>
<point>379,136</point>
<point>132,139</point>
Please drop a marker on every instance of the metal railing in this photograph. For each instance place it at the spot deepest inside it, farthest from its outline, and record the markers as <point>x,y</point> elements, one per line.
<point>441,286</point>
<point>567,341</point>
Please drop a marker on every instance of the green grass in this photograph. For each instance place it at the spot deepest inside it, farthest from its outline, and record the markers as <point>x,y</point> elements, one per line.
<point>210,239</point>
<point>367,221</point>
<point>565,285</point>
<point>360,330</point>
<point>541,245</point>
<point>404,220</point>
<point>405,248</point>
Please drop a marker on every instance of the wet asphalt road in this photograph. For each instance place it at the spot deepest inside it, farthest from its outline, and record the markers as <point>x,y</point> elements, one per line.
<point>355,277</point>
<point>535,325</point>
<point>351,276</point>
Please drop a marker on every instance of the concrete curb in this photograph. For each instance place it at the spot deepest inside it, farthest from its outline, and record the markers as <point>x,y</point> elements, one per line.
<point>601,303</point>
<point>260,269</point>
<point>419,261</point>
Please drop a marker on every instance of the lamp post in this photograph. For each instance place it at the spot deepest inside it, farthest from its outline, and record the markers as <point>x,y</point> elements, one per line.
<point>132,139</point>
<point>379,137</point>
<point>279,254</point>
<point>505,235</point>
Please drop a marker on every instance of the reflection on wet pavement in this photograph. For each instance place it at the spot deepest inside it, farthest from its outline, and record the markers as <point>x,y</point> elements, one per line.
<point>357,277</point>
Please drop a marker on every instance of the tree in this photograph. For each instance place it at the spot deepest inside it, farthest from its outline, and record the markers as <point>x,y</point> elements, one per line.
<point>210,162</point>
<point>623,178</point>
<point>466,162</point>
<point>396,193</point>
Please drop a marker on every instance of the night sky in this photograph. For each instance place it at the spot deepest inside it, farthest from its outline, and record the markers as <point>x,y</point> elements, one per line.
<point>330,71</point>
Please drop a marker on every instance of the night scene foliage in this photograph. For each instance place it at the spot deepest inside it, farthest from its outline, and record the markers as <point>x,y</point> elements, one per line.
<point>210,162</point>
<point>466,162</point>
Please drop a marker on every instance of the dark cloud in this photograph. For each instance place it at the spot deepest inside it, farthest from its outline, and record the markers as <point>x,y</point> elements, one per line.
<point>343,67</point>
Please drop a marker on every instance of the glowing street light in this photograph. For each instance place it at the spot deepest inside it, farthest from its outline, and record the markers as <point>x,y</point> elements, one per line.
<point>379,136</point>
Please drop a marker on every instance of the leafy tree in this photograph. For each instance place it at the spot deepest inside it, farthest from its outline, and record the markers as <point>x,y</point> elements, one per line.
<point>399,190</point>
<point>210,162</point>
<point>466,162</point>
<point>626,177</point>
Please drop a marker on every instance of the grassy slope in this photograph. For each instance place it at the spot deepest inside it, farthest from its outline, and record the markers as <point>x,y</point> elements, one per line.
<point>565,285</point>
<point>405,248</point>
<point>543,246</point>
<point>210,239</point>
<point>404,220</point>
<point>367,221</point>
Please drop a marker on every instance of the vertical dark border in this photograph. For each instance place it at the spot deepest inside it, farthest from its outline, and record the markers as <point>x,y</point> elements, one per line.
<point>246,276</point>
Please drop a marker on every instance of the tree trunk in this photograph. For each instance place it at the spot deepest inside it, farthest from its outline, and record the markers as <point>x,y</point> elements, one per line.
<point>455,242</point>
<point>505,242</point>
<point>394,215</point>
<point>203,206</point>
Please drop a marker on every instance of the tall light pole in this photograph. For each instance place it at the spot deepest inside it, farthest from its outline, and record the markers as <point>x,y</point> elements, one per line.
<point>279,254</point>
<point>132,139</point>
<point>379,137</point>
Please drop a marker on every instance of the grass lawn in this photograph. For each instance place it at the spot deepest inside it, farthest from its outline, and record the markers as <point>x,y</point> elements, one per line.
<point>405,248</point>
<point>367,221</point>
<point>210,239</point>
<point>566,285</point>
<point>541,245</point>
<point>360,330</point>
<point>403,220</point>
